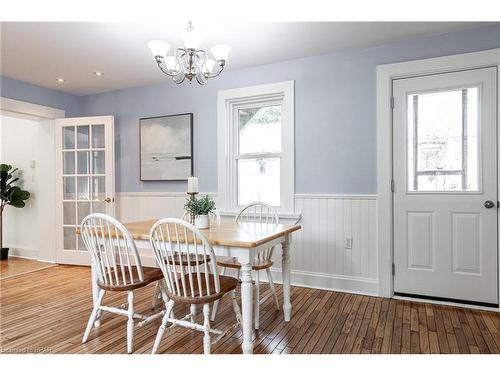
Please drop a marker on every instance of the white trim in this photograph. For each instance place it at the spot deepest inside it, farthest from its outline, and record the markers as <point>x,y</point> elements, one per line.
<point>434,302</point>
<point>173,194</point>
<point>226,99</point>
<point>35,110</point>
<point>385,75</point>
<point>22,252</point>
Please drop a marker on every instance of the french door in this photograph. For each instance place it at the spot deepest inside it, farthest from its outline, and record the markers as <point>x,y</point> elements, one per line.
<point>84,180</point>
<point>445,193</point>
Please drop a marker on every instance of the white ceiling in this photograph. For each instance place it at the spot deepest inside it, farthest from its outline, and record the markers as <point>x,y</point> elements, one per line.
<point>39,53</point>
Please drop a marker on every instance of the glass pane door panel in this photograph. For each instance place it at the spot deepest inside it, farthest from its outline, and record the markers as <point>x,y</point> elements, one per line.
<point>97,136</point>
<point>98,162</point>
<point>69,213</point>
<point>259,180</point>
<point>83,210</point>
<point>69,188</point>
<point>83,162</point>
<point>260,129</point>
<point>69,162</point>
<point>443,152</point>
<point>68,138</point>
<point>69,237</point>
<point>82,136</point>
<point>83,188</point>
<point>98,188</point>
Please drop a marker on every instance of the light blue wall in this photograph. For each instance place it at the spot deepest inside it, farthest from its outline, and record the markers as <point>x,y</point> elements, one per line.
<point>335,112</point>
<point>19,90</point>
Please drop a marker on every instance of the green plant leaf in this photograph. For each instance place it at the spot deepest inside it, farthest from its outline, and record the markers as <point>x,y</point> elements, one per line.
<point>17,204</point>
<point>5,167</point>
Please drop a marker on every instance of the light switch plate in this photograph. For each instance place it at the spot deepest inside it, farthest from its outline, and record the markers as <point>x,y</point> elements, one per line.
<point>348,243</point>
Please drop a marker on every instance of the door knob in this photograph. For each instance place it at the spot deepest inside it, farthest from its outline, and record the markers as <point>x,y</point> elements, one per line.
<point>489,204</point>
<point>107,200</point>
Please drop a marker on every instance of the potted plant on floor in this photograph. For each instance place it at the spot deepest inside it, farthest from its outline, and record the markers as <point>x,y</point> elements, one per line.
<point>10,195</point>
<point>200,209</point>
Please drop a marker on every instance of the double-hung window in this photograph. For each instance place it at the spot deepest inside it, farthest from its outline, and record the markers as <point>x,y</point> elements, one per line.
<point>256,146</point>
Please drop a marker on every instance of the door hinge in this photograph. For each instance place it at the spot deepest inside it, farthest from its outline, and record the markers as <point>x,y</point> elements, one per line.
<point>392,185</point>
<point>392,102</point>
<point>393,269</point>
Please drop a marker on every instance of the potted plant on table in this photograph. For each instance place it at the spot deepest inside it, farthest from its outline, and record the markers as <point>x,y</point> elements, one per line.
<point>10,195</point>
<point>200,209</point>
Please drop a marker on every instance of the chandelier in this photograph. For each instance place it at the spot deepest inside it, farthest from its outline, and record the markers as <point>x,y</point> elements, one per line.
<point>190,62</point>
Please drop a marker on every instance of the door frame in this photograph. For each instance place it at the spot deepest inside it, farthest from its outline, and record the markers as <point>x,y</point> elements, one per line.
<point>385,75</point>
<point>46,232</point>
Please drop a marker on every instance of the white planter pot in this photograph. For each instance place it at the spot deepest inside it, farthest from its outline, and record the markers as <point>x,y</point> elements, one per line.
<point>202,221</point>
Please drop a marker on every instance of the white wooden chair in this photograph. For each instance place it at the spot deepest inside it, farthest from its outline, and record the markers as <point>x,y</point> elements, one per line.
<point>189,281</point>
<point>264,214</point>
<point>118,267</point>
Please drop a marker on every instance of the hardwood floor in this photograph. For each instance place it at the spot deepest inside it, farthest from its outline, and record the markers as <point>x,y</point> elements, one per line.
<point>46,312</point>
<point>16,266</point>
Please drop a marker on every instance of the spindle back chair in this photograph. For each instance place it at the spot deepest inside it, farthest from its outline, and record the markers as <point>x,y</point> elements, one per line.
<point>255,213</point>
<point>118,267</point>
<point>189,280</point>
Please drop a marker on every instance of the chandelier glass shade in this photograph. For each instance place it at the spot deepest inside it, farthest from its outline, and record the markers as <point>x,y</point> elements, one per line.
<point>190,62</point>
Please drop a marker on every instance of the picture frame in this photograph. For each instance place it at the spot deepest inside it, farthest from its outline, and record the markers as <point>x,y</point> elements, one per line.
<point>166,147</point>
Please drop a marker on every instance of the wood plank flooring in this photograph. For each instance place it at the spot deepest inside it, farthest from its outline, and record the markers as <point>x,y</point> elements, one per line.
<point>46,312</point>
<point>16,266</point>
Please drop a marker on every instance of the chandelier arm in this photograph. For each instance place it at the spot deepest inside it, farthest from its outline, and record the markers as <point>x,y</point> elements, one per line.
<point>165,71</point>
<point>221,68</point>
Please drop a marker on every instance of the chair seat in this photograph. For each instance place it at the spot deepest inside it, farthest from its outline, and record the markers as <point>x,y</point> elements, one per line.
<point>232,262</point>
<point>150,275</point>
<point>226,285</point>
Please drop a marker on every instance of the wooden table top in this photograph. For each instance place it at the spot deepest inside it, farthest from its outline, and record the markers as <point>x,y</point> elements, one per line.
<point>247,235</point>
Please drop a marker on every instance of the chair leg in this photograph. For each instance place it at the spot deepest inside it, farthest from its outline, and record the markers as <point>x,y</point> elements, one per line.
<point>273,288</point>
<point>206,324</point>
<point>216,303</point>
<point>193,313</point>
<point>164,322</point>
<point>93,315</point>
<point>257,300</point>
<point>236,307</point>
<point>130,322</point>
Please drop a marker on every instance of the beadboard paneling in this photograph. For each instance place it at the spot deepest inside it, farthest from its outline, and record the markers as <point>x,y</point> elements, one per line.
<point>319,258</point>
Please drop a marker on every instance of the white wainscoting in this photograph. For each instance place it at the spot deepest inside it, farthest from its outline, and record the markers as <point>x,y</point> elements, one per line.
<point>319,259</point>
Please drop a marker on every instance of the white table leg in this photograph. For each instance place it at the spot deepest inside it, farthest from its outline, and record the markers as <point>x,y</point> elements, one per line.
<point>247,306</point>
<point>95,293</point>
<point>285,258</point>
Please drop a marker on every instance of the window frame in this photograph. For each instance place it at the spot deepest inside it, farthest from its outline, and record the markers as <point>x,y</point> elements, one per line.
<point>228,103</point>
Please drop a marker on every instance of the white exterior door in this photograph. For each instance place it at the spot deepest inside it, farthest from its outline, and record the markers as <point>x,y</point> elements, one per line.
<point>445,186</point>
<point>84,180</point>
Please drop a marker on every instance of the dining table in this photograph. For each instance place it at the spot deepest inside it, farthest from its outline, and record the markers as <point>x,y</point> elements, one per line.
<point>242,241</point>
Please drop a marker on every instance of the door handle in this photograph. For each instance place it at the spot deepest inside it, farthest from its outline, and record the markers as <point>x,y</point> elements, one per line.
<point>489,204</point>
<point>107,200</point>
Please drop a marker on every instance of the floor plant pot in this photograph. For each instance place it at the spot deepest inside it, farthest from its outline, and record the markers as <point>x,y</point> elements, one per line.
<point>202,221</point>
<point>4,255</point>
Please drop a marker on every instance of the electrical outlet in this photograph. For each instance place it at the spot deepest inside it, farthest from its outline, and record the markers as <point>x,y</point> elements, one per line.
<point>348,243</point>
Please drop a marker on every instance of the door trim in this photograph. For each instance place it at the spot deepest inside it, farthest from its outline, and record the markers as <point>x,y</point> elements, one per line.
<point>385,75</point>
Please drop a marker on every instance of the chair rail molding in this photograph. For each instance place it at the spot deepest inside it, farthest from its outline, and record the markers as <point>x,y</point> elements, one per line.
<point>385,75</point>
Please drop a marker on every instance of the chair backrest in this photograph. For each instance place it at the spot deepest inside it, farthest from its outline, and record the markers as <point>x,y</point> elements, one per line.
<point>177,245</point>
<point>258,212</point>
<point>112,250</point>
<point>214,216</point>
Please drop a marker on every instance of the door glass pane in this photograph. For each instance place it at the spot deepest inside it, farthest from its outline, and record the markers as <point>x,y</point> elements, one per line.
<point>98,188</point>
<point>259,180</point>
<point>83,162</point>
<point>69,235</point>
<point>260,129</point>
<point>98,162</point>
<point>97,136</point>
<point>69,213</point>
<point>443,140</point>
<point>83,210</point>
<point>69,162</point>
<point>69,188</point>
<point>83,188</point>
<point>99,207</point>
<point>68,137</point>
<point>82,136</point>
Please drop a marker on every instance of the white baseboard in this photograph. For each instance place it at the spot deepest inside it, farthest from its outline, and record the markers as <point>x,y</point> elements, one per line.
<point>23,252</point>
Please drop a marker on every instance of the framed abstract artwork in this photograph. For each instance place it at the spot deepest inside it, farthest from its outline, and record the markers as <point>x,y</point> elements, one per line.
<point>166,146</point>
